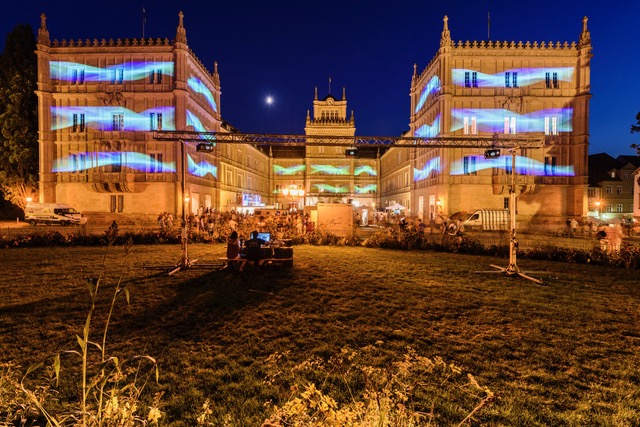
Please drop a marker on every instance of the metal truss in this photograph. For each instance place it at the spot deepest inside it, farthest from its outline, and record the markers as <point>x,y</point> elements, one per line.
<point>276,140</point>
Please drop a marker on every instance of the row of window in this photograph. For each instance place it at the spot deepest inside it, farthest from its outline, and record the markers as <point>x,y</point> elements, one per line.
<point>117,122</point>
<point>609,189</point>
<point>550,167</point>
<point>470,125</point>
<point>511,79</point>
<point>116,76</point>
<point>619,208</point>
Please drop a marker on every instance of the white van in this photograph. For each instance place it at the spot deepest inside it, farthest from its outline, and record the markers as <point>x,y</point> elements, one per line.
<point>53,213</point>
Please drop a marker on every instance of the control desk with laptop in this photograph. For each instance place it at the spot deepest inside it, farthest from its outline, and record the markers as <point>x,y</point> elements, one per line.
<point>271,251</point>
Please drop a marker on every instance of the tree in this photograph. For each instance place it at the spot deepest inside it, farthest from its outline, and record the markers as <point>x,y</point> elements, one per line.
<point>18,116</point>
<point>636,129</point>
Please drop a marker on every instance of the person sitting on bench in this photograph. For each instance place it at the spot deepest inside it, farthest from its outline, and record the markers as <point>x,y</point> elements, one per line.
<point>233,250</point>
<point>253,252</point>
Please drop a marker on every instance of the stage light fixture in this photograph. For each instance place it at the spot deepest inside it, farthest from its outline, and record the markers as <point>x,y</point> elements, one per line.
<point>492,153</point>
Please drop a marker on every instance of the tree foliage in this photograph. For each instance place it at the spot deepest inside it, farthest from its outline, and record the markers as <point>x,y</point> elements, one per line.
<point>18,116</point>
<point>636,129</point>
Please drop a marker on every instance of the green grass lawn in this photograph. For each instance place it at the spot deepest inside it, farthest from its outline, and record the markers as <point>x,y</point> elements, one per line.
<point>562,354</point>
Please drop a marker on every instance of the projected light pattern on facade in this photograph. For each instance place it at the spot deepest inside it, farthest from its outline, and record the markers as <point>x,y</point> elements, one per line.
<point>524,166</point>
<point>291,170</point>
<point>330,188</point>
<point>202,168</point>
<point>199,87</point>
<point>330,170</point>
<point>89,160</point>
<point>193,120</point>
<point>366,169</point>
<point>523,77</point>
<point>492,120</point>
<point>371,188</point>
<point>432,165</point>
<point>125,72</point>
<point>429,131</point>
<point>111,118</point>
<point>432,86</point>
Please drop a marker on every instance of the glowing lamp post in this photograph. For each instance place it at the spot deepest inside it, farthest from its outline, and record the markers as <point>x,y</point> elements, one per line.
<point>294,192</point>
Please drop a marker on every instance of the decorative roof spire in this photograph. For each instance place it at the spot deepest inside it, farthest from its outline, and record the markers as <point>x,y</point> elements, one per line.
<point>315,96</point>
<point>43,33</point>
<point>344,93</point>
<point>585,36</point>
<point>445,39</point>
<point>181,33</point>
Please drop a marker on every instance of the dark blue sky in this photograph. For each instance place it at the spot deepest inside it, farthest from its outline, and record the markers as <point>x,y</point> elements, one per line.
<point>286,48</point>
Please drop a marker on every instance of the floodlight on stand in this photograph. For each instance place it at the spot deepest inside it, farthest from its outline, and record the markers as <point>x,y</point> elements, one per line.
<point>206,147</point>
<point>492,153</point>
<point>351,152</point>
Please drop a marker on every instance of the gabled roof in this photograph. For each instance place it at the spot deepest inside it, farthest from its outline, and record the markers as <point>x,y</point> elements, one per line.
<point>600,166</point>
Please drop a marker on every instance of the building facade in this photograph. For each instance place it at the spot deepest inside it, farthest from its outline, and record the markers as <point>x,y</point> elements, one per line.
<point>493,88</point>
<point>98,103</point>
<point>611,192</point>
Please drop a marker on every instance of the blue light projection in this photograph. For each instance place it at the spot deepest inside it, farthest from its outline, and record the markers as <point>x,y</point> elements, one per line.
<point>432,86</point>
<point>193,120</point>
<point>524,166</point>
<point>358,170</point>
<point>525,76</point>
<point>429,131</point>
<point>492,119</point>
<point>432,165</point>
<point>199,87</point>
<point>202,168</point>
<point>366,189</point>
<point>102,118</point>
<point>330,188</point>
<point>291,170</point>
<point>119,73</point>
<point>330,170</point>
<point>89,160</point>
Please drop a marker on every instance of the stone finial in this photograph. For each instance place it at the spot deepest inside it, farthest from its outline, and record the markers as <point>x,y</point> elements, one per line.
<point>344,93</point>
<point>585,36</point>
<point>215,67</point>
<point>315,96</point>
<point>445,39</point>
<point>43,33</point>
<point>181,33</point>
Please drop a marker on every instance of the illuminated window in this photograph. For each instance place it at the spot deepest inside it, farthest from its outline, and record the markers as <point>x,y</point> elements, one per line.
<point>117,122</point>
<point>608,189</point>
<point>592,192</point>
<point>505,203</point>
<point>470,125</point>
<point>77,76</point>
<point>510,125</point>
<point>619,189</point>
<point>155,121</point>
<point>507,79</point>
<point>117,75</point>
<point>507,165</point>
<point>511,79</point>
<point>551,125</point>
<point>609,208</point>
<point>470,79</point>
<point>550,165</point>
<point>469,165</point>
<point>515,79</point>
<point>619,208</point>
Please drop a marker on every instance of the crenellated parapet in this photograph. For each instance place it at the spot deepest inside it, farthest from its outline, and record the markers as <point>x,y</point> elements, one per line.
<point>112,43</point>
<point>512,45</point>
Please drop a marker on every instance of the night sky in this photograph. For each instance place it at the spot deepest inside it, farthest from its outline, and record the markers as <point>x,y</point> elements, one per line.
<point>285,49</point>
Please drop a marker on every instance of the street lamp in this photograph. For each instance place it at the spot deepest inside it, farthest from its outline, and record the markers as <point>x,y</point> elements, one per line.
<point>293,191</point>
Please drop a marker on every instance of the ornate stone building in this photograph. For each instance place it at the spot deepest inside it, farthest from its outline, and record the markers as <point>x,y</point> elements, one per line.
<point>99,100</point>
<point>328,173</point>
<point>489,88</point>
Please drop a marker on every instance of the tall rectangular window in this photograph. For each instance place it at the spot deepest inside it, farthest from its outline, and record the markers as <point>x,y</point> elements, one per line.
<point>152,121</point>
<point>467,79</point>
<point>510,125</point>
<point>507,79</point>
<point>550,165</point>
<point>505,203</point>
<point>608,189</point>
<point>155,162</point>
<point>619,189</point>
<point>74,126</point>
<point>117,75</point>
<point>474,79</point>
<point>547,80</point>
<point>117,123</point>
<point>113,203</point>
<point>82,123</point>
<point>470,125</point>
<point>120,203</point>
<point>514,81</point>
<point>555,81</point>
<point>158,76</point>
<point>152,76</point>
<point>551,125</point>
<point>507,165</point>
<point>469,165</point>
